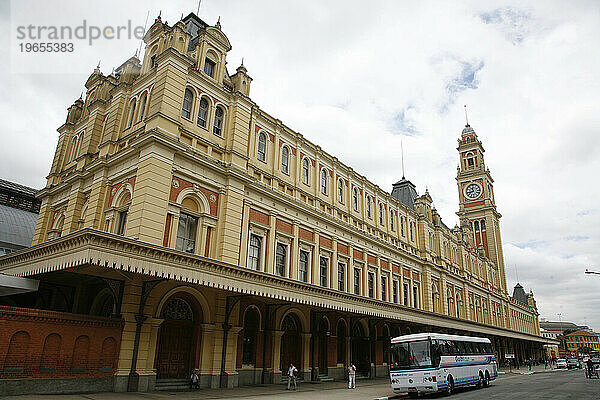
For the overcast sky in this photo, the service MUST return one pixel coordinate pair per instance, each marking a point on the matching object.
(359, 77)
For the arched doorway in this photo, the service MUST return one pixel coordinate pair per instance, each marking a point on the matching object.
(251, 321)
(322, 337)
(290, 351)
(341, 342)
(360, 350)
(176, 341)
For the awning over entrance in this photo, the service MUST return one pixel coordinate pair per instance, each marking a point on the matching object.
(89, 247)
(10, 285)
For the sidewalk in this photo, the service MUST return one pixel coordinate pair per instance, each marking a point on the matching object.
(240, 392)
(524, 370)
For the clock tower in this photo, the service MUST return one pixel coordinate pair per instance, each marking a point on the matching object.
(477, 208)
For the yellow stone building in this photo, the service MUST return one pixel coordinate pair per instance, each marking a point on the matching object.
(223, 240)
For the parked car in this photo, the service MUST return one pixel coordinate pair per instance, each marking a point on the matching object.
(561, 363)
(572, 363)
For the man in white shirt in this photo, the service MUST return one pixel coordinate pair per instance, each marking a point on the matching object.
(351, 376)
(292, 373)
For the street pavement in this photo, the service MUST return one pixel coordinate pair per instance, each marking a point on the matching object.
(541, 384)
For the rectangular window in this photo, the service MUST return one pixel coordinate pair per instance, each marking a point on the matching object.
(209, 67)
(122, 223)
(395, 291)
(371, 284)
(280, 259)
(415, 296)
(356, 280)
(384, 288)
(323, 265)
(254, 252)
(405, 294)
(303, 266)
(341, 276)
(186, 233)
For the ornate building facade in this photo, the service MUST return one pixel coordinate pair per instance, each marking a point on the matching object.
(201, 232)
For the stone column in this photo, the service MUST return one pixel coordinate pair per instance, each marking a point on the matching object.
(333, 266)
(306, 355)
(276, 353)
(294, 253)
(270, 258)
(314, 276)
(243, 258)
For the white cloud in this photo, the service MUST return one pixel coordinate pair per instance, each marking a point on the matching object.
(357, 78)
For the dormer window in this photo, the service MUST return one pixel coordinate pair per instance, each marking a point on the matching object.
(209, 67)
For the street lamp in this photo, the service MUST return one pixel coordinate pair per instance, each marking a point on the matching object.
(587, 271)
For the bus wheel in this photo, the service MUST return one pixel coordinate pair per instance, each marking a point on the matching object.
(450, 389)
(480, 381)
(486, 380)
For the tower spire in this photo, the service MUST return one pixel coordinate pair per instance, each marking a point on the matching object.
(402, 151)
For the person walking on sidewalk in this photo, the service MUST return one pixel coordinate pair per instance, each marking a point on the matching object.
(292, 374)
(351, 376)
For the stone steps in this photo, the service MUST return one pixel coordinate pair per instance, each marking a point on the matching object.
(172, 384)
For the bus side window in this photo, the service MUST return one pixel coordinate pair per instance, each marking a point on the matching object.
(462, 350)
(488, 348)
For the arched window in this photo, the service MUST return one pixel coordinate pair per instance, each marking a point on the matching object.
(411, 231)
(324, 180)
(131, 113)
(74, 143)
(285, 160)
(434, 295)
(381, 213)
(218, 127)
(203, 112)
(280, 259)
(142, 106)
(470, 161)
(402, 226)
(262, 147)
(355, 199)
(368, 206)
(254, 252)
(392, 226)
(305, 170)
(188, 99)
(341, 190)
(483, 225)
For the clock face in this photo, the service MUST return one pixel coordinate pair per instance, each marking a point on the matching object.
(473, 191)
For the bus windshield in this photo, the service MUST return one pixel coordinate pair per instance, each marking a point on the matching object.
(411, 355)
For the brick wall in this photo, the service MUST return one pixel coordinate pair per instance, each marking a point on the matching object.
(47, 344)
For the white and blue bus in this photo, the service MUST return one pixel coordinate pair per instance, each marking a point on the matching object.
(433, 362)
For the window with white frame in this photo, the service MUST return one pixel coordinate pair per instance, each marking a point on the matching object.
(285, 160)
(341, 190)
(381, 213)
(357, 278)
(122, 222)
(324, 180)
(254, 252)
(305, 171)
(341, 276)
(392, 224)
(218, 126)
(188, 99)
(323, 267)
(371, 284)
(186, 233)
(355, 199)
(368, 206)
(262, 147)
(384, 288)
(303, 265)
(280, 259)
(415, 295)
(405, 294)
(395, 291)
(203, 112)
